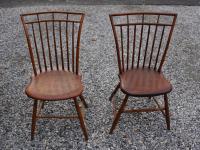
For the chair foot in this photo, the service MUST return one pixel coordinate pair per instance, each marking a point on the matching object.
(83, 100)
(167, 111)
(118, 114)
(81, 119)
(114, 92)
(34, 119)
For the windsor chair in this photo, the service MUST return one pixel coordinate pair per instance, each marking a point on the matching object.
(142, 41)
(53, 40)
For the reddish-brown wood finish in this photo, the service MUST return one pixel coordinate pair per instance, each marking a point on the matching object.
(148, 38)
(53, 40)
(144, 82)
(55, 85)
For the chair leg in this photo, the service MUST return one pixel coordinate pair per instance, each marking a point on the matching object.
(42, 104)
(83, 100)
(81, 119)
(114, 92)
(167, 111)
(117, 116)
(34, 119)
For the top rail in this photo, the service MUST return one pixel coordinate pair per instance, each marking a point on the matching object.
(145, 13)
(47, 12)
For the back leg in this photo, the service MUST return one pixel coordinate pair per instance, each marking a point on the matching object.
(83, 100)
(114, 92)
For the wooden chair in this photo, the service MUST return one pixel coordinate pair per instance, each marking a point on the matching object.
(142, 41)
(53, 40)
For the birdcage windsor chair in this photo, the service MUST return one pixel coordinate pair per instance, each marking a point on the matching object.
(142, 40)
(53, 40)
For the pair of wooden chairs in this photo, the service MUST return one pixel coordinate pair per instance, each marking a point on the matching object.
(53, 38)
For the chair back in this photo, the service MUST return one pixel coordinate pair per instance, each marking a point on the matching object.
(142, 39)
(53, 40)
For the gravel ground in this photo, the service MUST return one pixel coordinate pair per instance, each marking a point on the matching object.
(20, 3)
(135, 131)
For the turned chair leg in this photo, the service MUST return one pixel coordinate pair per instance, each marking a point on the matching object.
(117, 116)
(114, 92)
(34, 119)
(167, 111)
(80, 116)
(83, 100)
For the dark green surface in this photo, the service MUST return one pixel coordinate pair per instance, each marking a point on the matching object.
(18, 3)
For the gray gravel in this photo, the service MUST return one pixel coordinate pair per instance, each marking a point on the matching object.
(20, 3)
(135, 131)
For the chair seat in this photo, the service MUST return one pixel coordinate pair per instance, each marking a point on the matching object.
(54, 85)
(144, 82)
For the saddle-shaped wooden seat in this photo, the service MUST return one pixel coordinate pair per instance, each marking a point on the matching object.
(144, 82)
(55, 85)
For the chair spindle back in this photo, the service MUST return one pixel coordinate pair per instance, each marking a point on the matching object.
(53, 40)
(142, 39)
